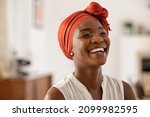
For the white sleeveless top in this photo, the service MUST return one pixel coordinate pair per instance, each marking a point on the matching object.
(73, 89)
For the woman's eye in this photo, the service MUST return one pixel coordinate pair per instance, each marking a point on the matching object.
(103, 34)
(87, 35)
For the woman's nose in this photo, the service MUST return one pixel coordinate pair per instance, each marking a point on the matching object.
(97, 39)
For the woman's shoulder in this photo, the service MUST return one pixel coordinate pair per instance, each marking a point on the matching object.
(54, 94)
(129, 93)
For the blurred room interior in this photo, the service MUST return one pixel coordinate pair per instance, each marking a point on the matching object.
(31, 60)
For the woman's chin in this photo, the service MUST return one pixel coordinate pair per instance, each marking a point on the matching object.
(98, 63)
(101, 63)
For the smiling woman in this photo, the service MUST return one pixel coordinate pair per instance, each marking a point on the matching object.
(83, 38)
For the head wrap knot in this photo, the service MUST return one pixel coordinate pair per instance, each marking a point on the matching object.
(99, 12)
(68, 26)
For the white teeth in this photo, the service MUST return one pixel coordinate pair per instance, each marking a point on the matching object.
(97, 50)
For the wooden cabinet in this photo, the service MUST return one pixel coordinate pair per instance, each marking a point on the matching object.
(25, 88)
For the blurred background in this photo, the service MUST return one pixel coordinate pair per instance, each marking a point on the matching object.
(31, 59)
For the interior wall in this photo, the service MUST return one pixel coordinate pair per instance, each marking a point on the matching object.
(26, 38)
(3, 37)
(4, 49)
(133, 48)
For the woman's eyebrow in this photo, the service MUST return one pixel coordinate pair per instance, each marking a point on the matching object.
(100, 27)
(89, 29)
(85, 29)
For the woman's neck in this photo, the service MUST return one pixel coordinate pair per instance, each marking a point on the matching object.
(90, 77)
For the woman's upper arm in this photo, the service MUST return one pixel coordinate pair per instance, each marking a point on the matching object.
(54, 94)
(129, 93)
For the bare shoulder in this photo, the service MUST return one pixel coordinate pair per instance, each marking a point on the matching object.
(54, 94)
(129, 93)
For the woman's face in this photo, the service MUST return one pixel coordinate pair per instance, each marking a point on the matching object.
(90, 43)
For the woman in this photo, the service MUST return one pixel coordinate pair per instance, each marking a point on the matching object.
(83, 38)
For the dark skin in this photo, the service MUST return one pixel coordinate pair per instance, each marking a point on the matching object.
(88, 36)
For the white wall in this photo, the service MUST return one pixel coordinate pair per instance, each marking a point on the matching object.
(4, 49)
(24, 37)
(133, 49)
(3, 33)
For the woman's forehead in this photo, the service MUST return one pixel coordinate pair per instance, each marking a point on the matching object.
(89, 23)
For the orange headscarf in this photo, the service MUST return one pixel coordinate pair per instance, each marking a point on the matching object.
(68, 26)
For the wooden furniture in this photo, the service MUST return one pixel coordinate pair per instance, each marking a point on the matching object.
(25, 88)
